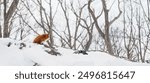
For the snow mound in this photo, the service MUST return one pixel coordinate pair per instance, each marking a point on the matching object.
(12, 55)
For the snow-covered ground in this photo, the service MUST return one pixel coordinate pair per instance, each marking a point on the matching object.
(33, 53)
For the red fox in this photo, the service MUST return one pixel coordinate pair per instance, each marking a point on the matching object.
(39, 39)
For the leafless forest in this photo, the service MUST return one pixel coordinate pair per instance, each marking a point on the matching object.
(118, 27)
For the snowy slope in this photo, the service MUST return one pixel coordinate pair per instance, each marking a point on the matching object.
(13, 56)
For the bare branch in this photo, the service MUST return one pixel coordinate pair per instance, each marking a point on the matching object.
(120, 12)
(95, 19)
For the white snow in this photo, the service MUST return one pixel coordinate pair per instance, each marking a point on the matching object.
(13, 56)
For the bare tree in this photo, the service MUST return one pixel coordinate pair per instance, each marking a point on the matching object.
(7, 16)
(105, 35)
(83, 23)
(129, 40)
(49, 20)
(77, 24)
(46, 19)
(116, 38)
(143, 41)
(136, 30)
(64, 8)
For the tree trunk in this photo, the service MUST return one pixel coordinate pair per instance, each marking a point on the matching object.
(7, 16)
(105, 34)
(107, 38)
(87, 46)
(107, 26)
(51, 26)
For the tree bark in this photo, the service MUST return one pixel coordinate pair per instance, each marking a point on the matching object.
(7, 16)
(95, 20)
(51, 25)
(107, 26)
(105, 34)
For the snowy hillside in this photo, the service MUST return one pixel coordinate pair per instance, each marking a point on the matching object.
(12, 54)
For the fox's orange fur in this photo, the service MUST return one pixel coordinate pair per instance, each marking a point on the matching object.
(39, 39)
